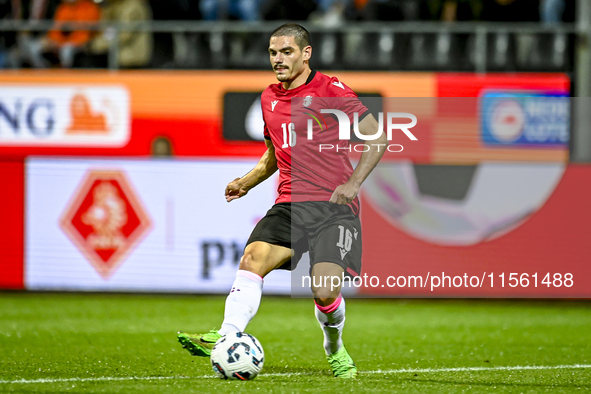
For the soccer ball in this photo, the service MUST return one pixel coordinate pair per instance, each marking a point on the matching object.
(237, 356)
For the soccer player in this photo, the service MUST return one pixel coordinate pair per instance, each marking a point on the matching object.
(317, 207)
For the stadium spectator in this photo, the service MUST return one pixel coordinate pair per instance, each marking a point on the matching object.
(161, 147)
(178, 49)
(65, 39)
(134, 47)
(451, 10)
(510, 10)
(6, 40)
(551, 11)
(388, 10)
(31, 11)
(245, 10)
(168, 10)
(331, 12)
(295, 10)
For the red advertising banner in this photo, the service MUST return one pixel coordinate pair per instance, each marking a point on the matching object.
(12, 197)
(544, 253)
(95, 113)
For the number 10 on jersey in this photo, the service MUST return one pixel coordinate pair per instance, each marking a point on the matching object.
(289, 135)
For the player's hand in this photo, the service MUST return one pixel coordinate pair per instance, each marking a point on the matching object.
(235, 189)
(344, 194)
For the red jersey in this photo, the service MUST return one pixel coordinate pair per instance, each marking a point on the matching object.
(307, 172)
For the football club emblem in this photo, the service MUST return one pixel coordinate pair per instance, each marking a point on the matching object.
(105, 220)
(307, 101)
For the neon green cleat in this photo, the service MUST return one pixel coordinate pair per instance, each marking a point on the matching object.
(342, 364)
(199, 344)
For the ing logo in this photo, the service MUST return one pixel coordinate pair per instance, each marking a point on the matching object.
(64, 115)
(84, 119)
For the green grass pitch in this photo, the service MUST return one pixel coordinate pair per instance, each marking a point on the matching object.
(106, 343)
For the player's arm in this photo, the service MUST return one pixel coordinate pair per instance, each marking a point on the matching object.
(347, 192)
(266, 167)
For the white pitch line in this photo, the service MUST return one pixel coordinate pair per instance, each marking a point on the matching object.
(388, 371)
(476, 369)
(97, 379)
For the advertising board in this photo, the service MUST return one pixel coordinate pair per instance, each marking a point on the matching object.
(139, 225)
(64, 115)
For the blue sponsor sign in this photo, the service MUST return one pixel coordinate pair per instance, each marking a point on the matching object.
(525, 119)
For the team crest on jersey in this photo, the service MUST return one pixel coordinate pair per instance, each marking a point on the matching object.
(307, 101)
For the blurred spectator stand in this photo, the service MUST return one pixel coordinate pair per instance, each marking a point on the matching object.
(134, 47)
(30, 11)
(244, 10)
(67, 36)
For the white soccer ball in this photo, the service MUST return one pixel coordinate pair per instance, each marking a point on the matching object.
(237, 356)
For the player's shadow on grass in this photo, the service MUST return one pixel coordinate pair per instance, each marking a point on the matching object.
(417, 379)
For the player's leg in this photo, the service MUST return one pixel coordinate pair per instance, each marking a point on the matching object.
(335, 250)
(330, 313)
(244, 299)
(330, 305)
(268, 248)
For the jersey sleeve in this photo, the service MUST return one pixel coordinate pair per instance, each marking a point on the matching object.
(264, 98)
(266, 133)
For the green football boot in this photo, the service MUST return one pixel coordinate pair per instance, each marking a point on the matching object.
(199, 344)
(342, 364)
